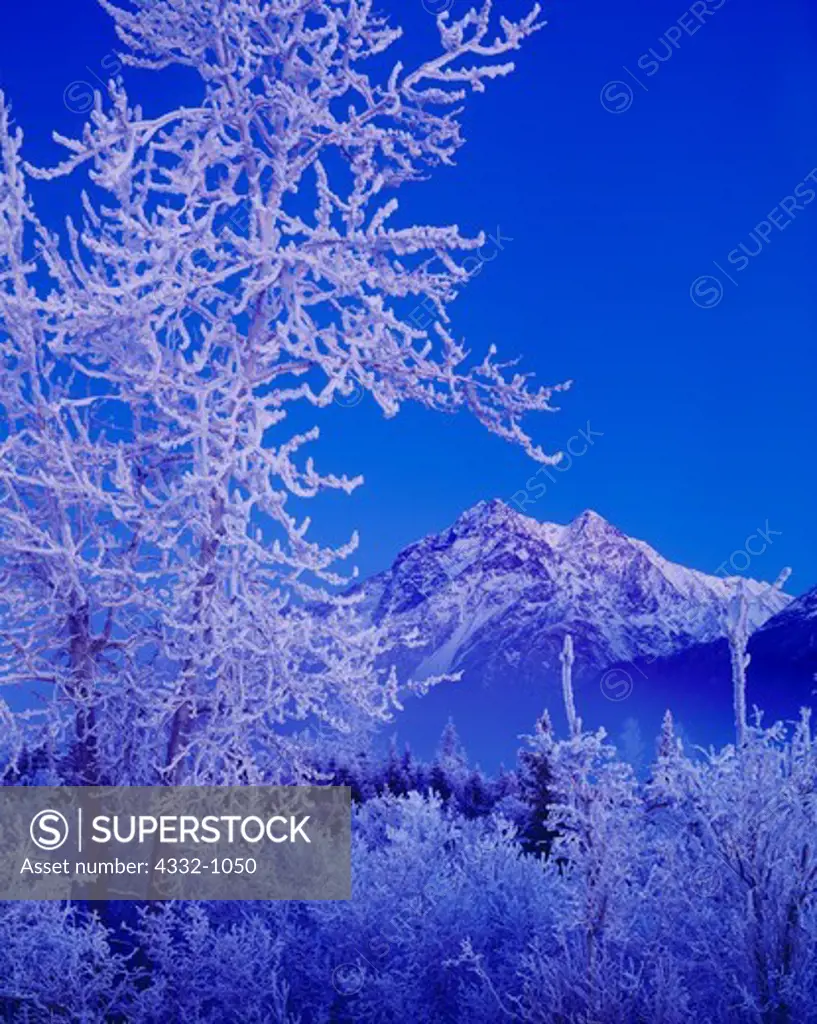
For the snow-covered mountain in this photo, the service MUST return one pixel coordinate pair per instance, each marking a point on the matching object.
(494, 594)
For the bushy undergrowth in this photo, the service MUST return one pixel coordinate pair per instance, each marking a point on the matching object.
(688, 896)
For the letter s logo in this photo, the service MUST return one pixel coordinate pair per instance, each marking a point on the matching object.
(48, 830)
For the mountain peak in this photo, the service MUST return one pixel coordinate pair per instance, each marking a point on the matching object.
(488, 511)
(589, 516)
(591, 523)
(489, 517)
(491, 507)
(499, 589)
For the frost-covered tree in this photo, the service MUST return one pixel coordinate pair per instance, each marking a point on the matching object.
(535, 776)
(596, 960)
(736, 870)
(737, 631)
(567, 657)
(737, 627)
(239, 265)
(449, 769)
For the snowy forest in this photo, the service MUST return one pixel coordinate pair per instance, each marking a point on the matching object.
(222, 275)
(564, 890)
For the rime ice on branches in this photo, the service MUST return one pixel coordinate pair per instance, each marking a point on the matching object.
(162, 603)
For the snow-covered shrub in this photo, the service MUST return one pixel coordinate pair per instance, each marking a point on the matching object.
(208, 972)
(736, 872)
(425, 881)
(59, 965)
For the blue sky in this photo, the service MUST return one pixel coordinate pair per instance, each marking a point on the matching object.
(606, 218)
